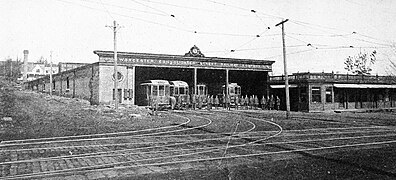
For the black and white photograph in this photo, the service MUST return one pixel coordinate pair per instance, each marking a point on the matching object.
(197, 89)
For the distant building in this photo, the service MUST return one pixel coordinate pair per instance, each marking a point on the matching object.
(39, 70)
(329, 91)
(65, 66)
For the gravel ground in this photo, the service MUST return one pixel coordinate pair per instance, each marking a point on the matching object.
(36, 115)
(25, 114)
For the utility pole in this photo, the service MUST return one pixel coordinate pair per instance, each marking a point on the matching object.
(115, 27)
(285, 69)
(50, 74)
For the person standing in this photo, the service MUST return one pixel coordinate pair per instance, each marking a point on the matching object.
(237, 99)
(263, 103)
(256, 102)
(194, 101)
(216, 102)
(271, 102)
(210, 102)
(188, 102)
(278, 103)
(228, 102)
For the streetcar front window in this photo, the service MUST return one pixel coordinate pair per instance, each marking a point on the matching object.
(173, 90)
(155, 90)
(232, 90)
(177, 91)
(148, 92)
(166, 91)
(182, 90)
(161, 91)
(200, 90)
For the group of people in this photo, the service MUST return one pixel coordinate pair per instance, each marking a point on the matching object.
(247, 102)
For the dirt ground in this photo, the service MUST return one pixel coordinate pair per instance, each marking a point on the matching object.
(29, 115)
(25, 114)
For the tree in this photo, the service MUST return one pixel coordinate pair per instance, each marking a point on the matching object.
(12, 69)
(392, 62)
(42, 60)
(361, 63)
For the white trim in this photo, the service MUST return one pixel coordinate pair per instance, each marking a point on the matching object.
(364, 86)
(283, 86)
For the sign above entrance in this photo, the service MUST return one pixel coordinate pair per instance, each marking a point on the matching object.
(143, 59)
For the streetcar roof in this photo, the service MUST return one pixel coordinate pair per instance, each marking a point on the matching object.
(155, 82)
(179, 83)
(232, 85)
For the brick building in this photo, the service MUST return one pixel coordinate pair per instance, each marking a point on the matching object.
(95, 82)
(329, 91)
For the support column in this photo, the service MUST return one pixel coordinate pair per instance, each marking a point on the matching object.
(133, 85)
(195, 81)
(268, 86)
(227, 95)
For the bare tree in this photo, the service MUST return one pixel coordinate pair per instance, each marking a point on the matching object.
(361, 63)
(12, 69)
(42, 60)
(392, 62)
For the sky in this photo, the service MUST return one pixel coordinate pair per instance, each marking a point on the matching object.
(320, 34)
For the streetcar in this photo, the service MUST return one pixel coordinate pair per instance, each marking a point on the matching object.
(179, 90)
(234, 91)
(157, 93)
(162, 94)
(202, 94)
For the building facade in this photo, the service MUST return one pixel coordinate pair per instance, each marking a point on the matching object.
(95, 82)
(329, 91)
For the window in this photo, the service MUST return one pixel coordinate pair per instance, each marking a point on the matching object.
(37, 70)
(201, 90)
(182, 90)
(155, 90)
(177, 91)
(130, 94)
(126, 94)
(167, 89)
(316, 97)
(232, 90)
(329, 94)
(67, 83)
(161, 90)
(238, 90)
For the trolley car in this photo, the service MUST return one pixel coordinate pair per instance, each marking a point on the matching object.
(179, 90)
(157, 93)
(202, 94)
(168, 94)
(234, 91)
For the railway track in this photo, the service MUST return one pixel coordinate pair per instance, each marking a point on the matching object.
(177, 147)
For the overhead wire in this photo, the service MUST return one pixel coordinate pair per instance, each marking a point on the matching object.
(244, 9)
(155, 9)
(320, 28)
(131, 17)
(160, 24)
(196, 8)
(295, 52)
(239, 48)
(262, 48)
(104, 7)
(124, 7)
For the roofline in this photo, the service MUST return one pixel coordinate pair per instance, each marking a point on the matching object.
(101, 53)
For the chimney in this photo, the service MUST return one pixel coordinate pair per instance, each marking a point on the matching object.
(25, 64)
